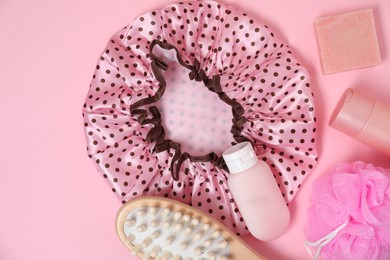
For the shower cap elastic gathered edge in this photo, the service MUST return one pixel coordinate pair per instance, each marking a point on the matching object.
(269, 93)
(157, 133)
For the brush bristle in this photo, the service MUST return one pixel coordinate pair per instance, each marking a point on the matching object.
(162, 233)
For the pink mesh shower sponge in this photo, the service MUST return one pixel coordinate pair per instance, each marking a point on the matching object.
(352, 203)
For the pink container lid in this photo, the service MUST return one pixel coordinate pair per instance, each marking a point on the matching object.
(351, 113)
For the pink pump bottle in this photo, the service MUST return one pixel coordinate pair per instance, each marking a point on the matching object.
(256, 193)
(363, 118)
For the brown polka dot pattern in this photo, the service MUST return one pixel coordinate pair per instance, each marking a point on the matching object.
(256, 69)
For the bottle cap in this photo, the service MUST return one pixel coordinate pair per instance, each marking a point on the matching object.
(240, 157)
(351, 113)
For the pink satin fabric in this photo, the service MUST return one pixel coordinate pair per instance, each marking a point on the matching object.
(256, 70)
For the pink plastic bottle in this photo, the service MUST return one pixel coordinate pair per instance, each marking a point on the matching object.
(256, 193)
(363, 118)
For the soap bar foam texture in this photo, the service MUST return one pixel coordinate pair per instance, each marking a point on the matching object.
(347, 41)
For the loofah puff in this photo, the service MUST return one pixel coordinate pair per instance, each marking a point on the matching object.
(352, 202)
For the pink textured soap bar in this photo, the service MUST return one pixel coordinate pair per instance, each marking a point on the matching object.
(347, 41)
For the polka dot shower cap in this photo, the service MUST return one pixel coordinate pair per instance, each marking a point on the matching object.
(181, 84)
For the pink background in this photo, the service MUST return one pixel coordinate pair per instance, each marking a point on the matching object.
(54, 205)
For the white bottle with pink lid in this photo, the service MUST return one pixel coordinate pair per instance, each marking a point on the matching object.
(256, 193)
